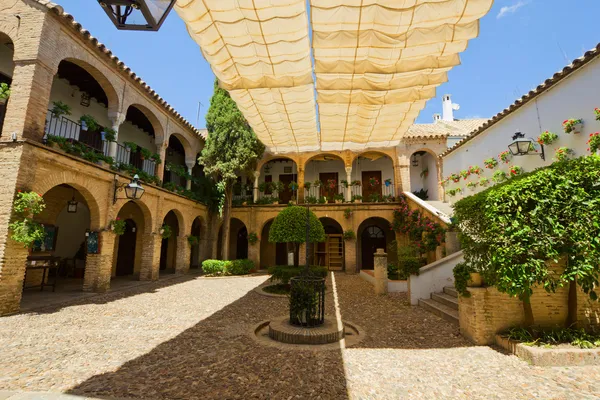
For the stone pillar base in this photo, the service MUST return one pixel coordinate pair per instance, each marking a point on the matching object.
(381, 273)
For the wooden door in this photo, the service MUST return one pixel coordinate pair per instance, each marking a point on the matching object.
(325, 189)
(335, 252)
(126, 251)
(372, 238)
(287, 194)
(367, 188)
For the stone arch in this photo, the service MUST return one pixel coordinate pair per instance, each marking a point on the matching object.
(271, 253)
(92, 67)
(384, 153)
(324, 167)
(92, 192)
(181, 221)
(11, 29)
(272, 157)
(198, 229)
(128, 248)
(373, 164)
(430, 182)
(146, 213)
(151, 116)
(238, 240)
(365, 248)
(331, 252)
(189, 151)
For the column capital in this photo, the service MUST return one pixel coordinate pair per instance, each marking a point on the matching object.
(190, 163)
(256, 174)
(349, 170)
(116, 118)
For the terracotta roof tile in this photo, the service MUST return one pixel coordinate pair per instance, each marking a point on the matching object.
(442, 129)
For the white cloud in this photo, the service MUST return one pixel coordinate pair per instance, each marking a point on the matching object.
(504, 11)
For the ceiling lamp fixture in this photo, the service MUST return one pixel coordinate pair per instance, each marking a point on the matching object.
(521, 146)
(137, 15)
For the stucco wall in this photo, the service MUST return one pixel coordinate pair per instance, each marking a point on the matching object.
(574, 97)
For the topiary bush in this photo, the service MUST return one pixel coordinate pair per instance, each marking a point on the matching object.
(283, 273)
(240, 267)
(215, 267)
(409, 262)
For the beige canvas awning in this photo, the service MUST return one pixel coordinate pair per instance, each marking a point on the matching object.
(376, 63)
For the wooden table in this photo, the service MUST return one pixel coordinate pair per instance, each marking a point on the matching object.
(45, 263)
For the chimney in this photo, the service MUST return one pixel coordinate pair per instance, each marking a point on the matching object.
(447, 108)
(437, 117)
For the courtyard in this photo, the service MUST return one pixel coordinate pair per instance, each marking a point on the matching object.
(191, 337)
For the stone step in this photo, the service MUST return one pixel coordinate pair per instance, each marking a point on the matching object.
(446, 300)
(440, 310)
(449, 290)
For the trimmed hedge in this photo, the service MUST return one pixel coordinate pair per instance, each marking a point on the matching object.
(221, 267)
(240, 267)
(283, 273)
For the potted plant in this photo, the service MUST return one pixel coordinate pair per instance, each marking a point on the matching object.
(109, 134)
(594, 142)
(118, 226)
(252, 238)
(349, 235)
(472, 185)
(356, 183)
(344, 183)
(443, 182)
(130, 146)
(193, 240)
(293, 186)
(499, 176)
(348, 213)
(165, 231)
(374, 198)
(475, 169)
(4, 93)
(484, 181)
(278, 187)
(573, 125)
(89, 123)
(453, 192)
(317, 183)
(373, 182)
(339, 198)
(504, 156)
(357, 198)
(597, 113)
(515, 170)
(311, 199)
(454, 178)
(156, 158)
(464, 174)
(425, 173)
(59, 108)
(145, 154)
(387, 182)
(547, 138)
(490, 163)
(563, 154)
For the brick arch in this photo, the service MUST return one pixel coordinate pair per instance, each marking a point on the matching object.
(91, 191)
(324, 154)
(146, 213)
(181, 221)
(265, 160)
(156, 125)
(203, 225)
(382, 152)
(99, 72)
(187, 147)
(10, 29)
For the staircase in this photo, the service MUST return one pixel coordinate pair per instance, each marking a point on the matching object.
(444, 304)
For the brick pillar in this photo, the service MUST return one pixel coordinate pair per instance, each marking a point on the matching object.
(350, 256)
(116, 119)
(254, 253)
(151, 244)
(300, 185)
(162, 152)
(12, 254)
(381, 273)
(28, 103)
(182, 260)
(98, 267)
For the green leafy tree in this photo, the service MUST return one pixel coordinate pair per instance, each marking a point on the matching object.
(231, 149)
(290, 227)
(516, 232)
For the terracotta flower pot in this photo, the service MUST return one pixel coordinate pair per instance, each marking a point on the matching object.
(475, 280)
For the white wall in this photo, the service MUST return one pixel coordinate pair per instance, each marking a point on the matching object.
(433, 278)
(574, 97)
(430, 183)
(130, 133)
(71, 230)
(276, 169)
(314, 168)
(6, 61)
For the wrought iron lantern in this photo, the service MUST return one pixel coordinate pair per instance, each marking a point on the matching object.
(138, 15)
(72, 205)
(521, 146)
(133, 190)
(415, 161)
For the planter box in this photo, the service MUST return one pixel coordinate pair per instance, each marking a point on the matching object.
(563, 356)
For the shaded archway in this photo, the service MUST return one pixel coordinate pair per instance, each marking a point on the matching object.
(238, 240)
(80, 90)
(139, 127)
(168, 249)
(196, 231)
(175, 163)
(375, 172)
(271, 253)
(424, 180)
(330, 253)
(128, 247)
(281, 169)
(374, 233)
(328, 171)
(65, 242)
(7, 66)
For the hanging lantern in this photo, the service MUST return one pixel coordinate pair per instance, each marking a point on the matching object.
(72, 205)
(139, 15)
(415, 161)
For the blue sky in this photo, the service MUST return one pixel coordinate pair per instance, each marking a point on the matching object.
(521, 43)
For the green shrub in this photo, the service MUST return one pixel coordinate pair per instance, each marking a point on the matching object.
(215, 267)
(283, 273)
(240, 267)
(409, 262)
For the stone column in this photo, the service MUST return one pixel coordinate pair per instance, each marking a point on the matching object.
(381, 273)
(255, 189)
(151, 244)
(162, 152)
(98, 267)
(348, 193)
(300, 185)
(116, 119)
(27, 106)
(190, 165)
(182, 259)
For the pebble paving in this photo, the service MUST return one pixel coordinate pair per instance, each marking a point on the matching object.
(188, 338)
